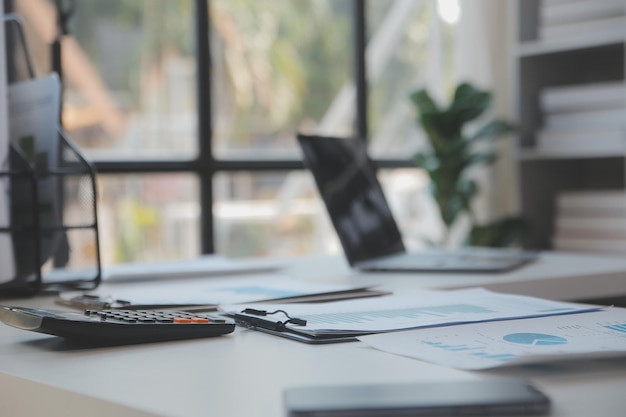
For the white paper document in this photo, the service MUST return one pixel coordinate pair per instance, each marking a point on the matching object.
(426, 309)
(495, 344)
(203, 266)
(202, 292)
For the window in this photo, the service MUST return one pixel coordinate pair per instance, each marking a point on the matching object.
(189, 110)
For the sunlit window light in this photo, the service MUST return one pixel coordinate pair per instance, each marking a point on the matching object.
(449, 10)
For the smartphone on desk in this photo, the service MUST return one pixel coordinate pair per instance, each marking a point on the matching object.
(490, 397)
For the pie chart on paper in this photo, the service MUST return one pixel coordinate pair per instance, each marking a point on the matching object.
(536, 339)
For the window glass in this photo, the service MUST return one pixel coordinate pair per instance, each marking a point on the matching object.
(408, 194)
(145, 218)
(129, 75)
(281, 214)
(409, 47)
(270, 214)
(279, 67)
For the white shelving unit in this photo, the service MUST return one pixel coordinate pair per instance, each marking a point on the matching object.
(580, 59)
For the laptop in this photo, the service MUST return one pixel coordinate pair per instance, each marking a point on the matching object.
(367, 230)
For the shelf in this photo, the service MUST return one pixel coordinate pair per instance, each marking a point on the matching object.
(542, 47)
(538, 154)
(561, 55)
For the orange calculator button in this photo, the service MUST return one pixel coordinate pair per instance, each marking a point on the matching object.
(199, 319)
(182, 320)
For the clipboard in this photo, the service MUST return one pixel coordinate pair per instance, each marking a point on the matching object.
(323, 340)
(277, 328)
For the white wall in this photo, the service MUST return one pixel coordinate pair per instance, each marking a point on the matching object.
(484, 58)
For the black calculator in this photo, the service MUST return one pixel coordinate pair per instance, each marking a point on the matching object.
(117, 326)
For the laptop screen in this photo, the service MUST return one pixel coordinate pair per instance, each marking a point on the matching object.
(347, 183)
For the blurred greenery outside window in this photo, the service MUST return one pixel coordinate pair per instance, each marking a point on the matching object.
(277, 67)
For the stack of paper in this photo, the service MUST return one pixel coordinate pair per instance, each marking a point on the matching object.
(591, 221)
(583, 119)
(581, 19)
(209, 293)
(430, 308)
(465, 329)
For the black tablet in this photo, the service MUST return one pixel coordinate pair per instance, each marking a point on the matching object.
(489, 397)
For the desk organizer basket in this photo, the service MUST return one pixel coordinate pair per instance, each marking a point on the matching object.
(41, 237)
(37, 227)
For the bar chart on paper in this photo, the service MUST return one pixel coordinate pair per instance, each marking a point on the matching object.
(617, 327)
(487, 345)
(476, 351)
(444, 311)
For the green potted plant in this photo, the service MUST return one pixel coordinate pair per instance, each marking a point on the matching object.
(453, 152)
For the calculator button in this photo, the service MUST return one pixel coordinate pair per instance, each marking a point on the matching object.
(165, 320)
(152, 316)
(199, 320)
(182, 320)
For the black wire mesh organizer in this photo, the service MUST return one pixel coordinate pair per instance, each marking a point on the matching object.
(40, 228)
(36, 239)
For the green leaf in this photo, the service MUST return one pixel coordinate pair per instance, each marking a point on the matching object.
(481, 158)
(493, 130)
(451, 154)
(501, 233)
(450, 208)
(469, 103)
(426, 161)
(438, 124)
(423, 102)
(467, 189)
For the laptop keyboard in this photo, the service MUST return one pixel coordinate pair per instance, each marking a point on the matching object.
(447, 261)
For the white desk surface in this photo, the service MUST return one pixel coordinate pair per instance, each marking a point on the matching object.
(555, 275)
(244, 374)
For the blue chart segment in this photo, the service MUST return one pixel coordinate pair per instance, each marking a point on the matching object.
(478, 351)
(617, 327)
(408, 313)
(536, 339)
(452, 348)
